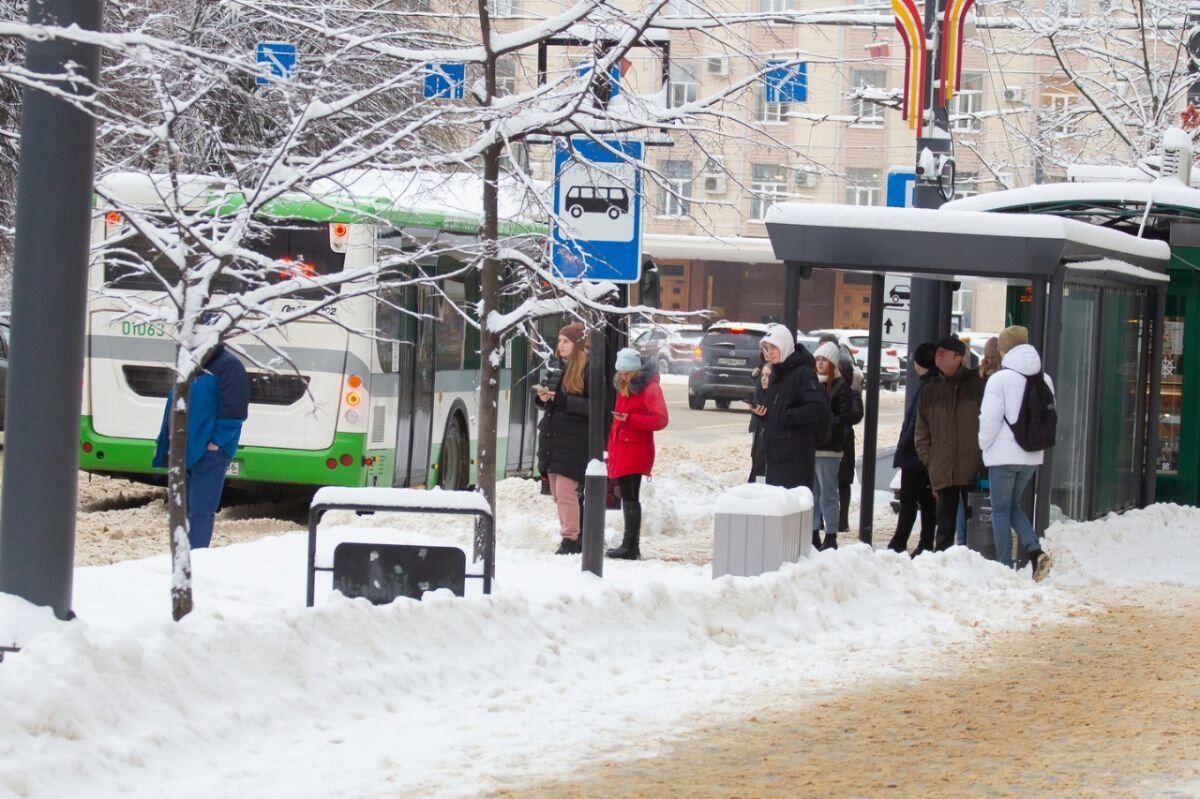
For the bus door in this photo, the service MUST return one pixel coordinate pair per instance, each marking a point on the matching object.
(416, 391)
(520, 402)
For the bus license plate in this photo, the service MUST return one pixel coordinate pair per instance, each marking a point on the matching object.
(233, 469)
(731, 361)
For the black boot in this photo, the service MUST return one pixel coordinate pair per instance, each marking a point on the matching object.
(633, 533)
(570, 546)
(830, 541)
(816, 540)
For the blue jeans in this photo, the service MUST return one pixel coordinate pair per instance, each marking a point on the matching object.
(960, 523)
(205, 480)
(826, 501)
(1008, 484)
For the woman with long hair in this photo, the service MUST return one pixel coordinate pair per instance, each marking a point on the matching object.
(640, 410)
(831, 446)
(563, 433)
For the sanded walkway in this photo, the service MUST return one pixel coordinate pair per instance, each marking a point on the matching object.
(1105, 708)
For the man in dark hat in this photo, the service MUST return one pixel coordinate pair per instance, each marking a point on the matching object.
(947, 433)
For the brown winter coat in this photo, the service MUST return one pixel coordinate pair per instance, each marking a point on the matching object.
(947, 436)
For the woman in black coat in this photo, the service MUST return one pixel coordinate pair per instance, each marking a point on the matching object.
(915, 492)
(563, 434)
(843, 414)
(793, 411)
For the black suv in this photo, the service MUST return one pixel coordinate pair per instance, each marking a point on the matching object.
(723, 370)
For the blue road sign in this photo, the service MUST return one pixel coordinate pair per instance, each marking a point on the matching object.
(597, 229)
(447, 81)
(900, 184)
(279, 59)
(786, 84)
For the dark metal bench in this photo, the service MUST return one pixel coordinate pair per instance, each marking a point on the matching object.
(382, 572)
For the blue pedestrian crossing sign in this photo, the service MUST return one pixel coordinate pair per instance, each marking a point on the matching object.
(597, 228)
(279, 58)
(786, 84)
(445, 81)
(900, 183)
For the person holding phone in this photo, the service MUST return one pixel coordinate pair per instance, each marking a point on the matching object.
(639, 411)
(563, 433)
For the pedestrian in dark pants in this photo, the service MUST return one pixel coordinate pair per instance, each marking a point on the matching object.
(915, 493)
(947, 436)
(639, 411)
(831, 445)
(854, 376)
(563, 435)
(793, 410)
(218, 403)
(758, 463)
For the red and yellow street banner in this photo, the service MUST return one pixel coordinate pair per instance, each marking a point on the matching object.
(952, 44)
(912, 32)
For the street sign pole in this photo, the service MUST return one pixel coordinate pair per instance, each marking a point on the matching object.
(49, 304)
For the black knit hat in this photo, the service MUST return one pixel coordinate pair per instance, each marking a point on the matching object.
(923, 355)
(954, 344)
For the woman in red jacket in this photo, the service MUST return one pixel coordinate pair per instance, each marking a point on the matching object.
(639, 411)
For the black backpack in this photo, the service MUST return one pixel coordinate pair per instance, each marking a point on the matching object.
(1037, 423)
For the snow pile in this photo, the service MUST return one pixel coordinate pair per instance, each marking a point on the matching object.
(456, 696)
(1159, 545)
(21, 622)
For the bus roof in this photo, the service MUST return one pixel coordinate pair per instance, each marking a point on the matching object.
(433, 201)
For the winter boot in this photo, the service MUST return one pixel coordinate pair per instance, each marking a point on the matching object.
(816, 540)
(570, 546)
(830, 541)
(633, 533)
(1041, 565)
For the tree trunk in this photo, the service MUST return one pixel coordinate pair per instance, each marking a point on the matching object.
(491, 352)
(181, 551)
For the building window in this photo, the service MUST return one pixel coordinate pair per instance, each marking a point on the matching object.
(1058, 9)
(1056, 113)
(683, 84)
(768, 112)
(506, 75)
(775, 6)
(502, 8)
(676, 189)
(682, 8)
(967, 103)
(864, 187)
(768, 185)
(868, 113)
(966, 184)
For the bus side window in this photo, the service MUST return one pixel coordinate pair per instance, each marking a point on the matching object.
(388, 320)
(451, 329)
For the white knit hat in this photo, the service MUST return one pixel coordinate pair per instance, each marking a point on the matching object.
(829, 351)
(628, 360)
(782, 338)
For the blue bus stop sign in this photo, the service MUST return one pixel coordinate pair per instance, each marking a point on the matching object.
(900, 184)
(446, 81)
(597, 227)
(279, 59)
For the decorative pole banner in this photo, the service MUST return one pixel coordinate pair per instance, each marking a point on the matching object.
(916, 57)
(952, 44)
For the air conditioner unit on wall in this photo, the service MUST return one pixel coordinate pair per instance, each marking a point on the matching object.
(1014, 94)
(714, 184)
(806, 179)
(718, 65)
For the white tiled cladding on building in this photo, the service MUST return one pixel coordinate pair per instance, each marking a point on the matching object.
(757, 528)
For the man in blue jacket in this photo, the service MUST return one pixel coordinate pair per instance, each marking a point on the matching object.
(218, 404)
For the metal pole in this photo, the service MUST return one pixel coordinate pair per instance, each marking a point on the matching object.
(594, 485)
(1054, 315)
(54, 196)
(866, 500)
(1150, 491)
(1037, 314)
(791, 295)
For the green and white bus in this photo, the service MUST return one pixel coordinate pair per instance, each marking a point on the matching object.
(398, 408)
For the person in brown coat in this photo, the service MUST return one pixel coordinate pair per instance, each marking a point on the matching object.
(947, 436)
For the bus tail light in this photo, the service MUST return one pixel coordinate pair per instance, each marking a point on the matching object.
(347, 459)
(339, 236)
(352, 416)
(330, 463)
(353, 399)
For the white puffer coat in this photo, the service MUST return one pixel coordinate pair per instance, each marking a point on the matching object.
(1002, 399)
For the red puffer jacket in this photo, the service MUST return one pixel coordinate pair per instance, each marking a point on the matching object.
(631, 442)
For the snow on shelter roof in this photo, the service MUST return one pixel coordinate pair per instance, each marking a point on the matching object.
(1164, 193)
(944, 243)
(422, 199)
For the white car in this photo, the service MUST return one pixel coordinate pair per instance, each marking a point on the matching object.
(889, 361)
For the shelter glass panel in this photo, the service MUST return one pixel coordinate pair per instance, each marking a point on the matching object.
(1080, 316)
(1170, 420)
(1122, 402)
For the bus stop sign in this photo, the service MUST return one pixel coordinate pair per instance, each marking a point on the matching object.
(597, 227)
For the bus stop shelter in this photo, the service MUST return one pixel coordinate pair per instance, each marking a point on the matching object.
(1092, 289)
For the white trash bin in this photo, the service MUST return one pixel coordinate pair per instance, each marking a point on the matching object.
(757, 528)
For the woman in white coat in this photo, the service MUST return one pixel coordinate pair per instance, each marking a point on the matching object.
(1011, 467)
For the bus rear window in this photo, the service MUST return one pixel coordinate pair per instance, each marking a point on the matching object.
(130, 262)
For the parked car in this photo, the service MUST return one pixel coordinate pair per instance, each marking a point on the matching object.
(724, 362)
(671, 345)
(889, 362)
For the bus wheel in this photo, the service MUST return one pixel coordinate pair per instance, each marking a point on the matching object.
(454, 465)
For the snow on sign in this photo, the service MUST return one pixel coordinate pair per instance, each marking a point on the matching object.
(279, 59)
(598, 210)
(445, 81)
